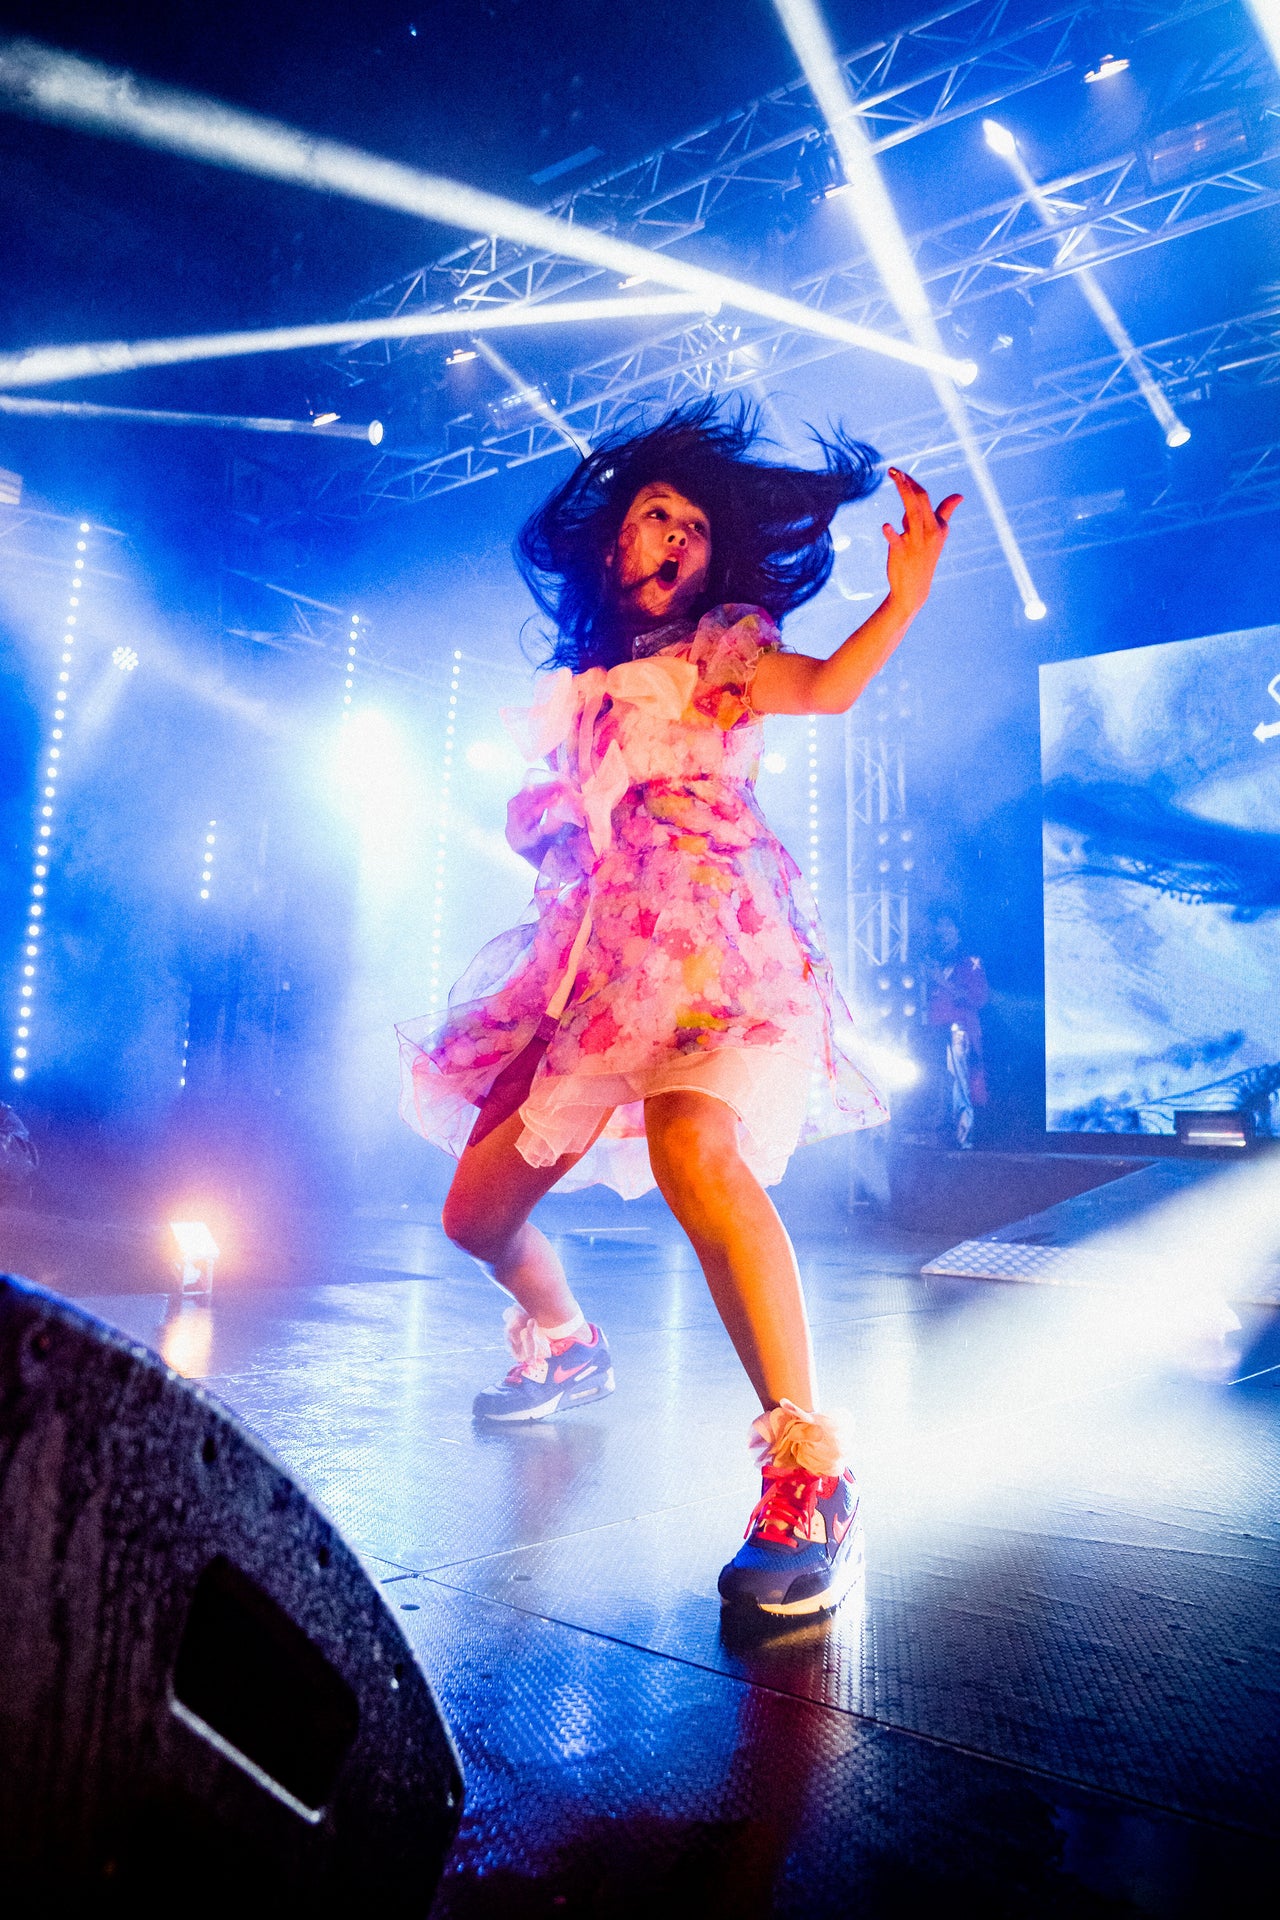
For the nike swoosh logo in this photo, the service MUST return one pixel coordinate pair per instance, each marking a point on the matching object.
(840, 1528)
(571, 1373)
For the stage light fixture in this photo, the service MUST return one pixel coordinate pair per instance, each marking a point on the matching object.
(1034, 609)
(324, 419)
(64, 88)
(774, 762)
(1176, 432)
(533, 397)
(1107, 68)
(197, 1255)
(125, 658)
(153, 416)
(873, 212)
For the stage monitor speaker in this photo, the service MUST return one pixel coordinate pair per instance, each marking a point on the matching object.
(202, 1695)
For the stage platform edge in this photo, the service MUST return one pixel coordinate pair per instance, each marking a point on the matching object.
(1054, 1248)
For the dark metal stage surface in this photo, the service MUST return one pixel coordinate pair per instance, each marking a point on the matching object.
(1059, 1693)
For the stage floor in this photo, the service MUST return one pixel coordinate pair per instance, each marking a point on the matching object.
(1059, 1693)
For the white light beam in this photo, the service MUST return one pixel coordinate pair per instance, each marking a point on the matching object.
(1266, 16)
(869, 202)
(49, 85)
(85, 410)
(1176, 433)
(533, 397)
(43, 366)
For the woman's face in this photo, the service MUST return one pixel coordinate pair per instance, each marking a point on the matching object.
(660, 559)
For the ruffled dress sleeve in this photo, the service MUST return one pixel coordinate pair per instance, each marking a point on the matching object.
(726, 650)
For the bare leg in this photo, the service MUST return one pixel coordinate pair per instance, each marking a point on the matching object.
(740, 1241)
(487, 1213)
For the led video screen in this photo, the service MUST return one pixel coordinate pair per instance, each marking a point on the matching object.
(1161, 769)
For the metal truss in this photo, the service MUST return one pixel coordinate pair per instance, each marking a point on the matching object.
(1105, 213)
(879, 933)
(1054, 524)
(267, 615)
(963, 60)
(877, 916)
(1240, 356)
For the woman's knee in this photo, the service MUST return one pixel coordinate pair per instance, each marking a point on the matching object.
(474, 1227)
(693, 1148)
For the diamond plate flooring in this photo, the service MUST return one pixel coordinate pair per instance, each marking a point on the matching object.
(1058, 1692)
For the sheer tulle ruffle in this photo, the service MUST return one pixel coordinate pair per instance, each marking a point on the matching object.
(697, 957)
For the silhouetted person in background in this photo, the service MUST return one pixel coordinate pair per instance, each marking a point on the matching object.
(957, 991)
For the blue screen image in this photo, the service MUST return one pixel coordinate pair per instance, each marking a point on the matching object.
(1161, 771)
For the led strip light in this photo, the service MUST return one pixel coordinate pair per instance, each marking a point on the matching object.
(442, 832)
(45, 815)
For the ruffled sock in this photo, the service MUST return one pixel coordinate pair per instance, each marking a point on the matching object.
(530, 1343)
(787, 1438)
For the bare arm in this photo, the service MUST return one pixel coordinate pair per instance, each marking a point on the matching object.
(797, 683)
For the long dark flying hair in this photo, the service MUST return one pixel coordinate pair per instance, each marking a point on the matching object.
(770, 538)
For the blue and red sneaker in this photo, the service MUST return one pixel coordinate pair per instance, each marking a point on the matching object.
(803, 1548)
(577, 1370)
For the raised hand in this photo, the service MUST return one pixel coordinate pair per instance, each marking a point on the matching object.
(915, 549)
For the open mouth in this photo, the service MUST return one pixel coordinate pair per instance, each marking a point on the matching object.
(669, 572)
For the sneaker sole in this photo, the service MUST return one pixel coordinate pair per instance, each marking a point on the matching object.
(825, 1602)
(559, 1402)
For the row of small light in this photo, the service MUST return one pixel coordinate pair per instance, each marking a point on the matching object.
(352, 638)
(206, 858)
(814, 846)
(442, 832)
(208, 844)
(40, 868)
(894, 706)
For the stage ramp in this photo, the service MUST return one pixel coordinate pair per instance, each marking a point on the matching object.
(1067, 1244)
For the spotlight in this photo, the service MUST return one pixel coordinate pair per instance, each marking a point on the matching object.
(999, 139)
(1178, 435)
(324, 419)
(125, 658)
(1106, 69)
(1035, 609)
(459, 354)
(774, 762)
(197, 1252)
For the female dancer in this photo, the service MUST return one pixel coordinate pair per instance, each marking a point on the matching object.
(667, 1013)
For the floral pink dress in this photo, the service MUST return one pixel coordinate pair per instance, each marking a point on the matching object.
(672, 942)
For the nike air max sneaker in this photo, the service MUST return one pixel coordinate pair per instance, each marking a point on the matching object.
(803, 1549)
(577, 1370)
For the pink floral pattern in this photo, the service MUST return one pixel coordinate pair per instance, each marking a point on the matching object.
(702, 940)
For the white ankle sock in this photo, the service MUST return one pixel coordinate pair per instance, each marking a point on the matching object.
(575, 1325)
